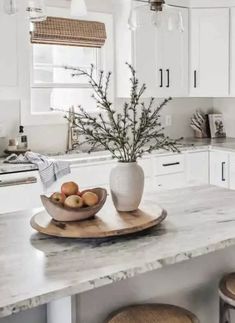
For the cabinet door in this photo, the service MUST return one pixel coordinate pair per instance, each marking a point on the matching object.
(8, 52)
(232, 53)
(209, 52)
(197, 168)
(219, 174)
(172, 52)
(86, 176)
(20, 191)
(144, 49)
(123, 47)
(232, 171)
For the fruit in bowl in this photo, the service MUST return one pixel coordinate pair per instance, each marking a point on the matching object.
(69, 188)
(90, 198)
(71, 205)
(58, 198)
(74, 201)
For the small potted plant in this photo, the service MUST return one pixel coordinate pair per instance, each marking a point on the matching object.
(127, 134)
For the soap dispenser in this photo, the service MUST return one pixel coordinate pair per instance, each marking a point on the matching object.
(22, 139)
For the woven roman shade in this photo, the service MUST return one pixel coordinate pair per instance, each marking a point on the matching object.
(70, 32)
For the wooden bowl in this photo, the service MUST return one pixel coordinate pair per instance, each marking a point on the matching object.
(65, 214)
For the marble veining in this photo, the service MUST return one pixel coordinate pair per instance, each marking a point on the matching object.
(36, 269)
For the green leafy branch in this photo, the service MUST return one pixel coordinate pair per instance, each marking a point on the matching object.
(129, 133)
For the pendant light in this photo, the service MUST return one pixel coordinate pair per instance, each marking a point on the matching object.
(155, 5)
(10, 7)
(131, 19)
(78, 8)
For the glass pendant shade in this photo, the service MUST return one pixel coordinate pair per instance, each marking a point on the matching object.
(78, 8)
(132, 25)
(10, 7)
(37, 10)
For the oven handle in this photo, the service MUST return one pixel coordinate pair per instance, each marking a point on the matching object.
(21, 181)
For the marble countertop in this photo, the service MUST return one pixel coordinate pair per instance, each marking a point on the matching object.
(36, 269)
(81, 158)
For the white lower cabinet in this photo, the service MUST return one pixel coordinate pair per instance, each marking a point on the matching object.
(170, 181)
(232, 171)
(20, 191)
(219, 168)
(197, 168)
(165, 171)
(169, 171)
(88, 175)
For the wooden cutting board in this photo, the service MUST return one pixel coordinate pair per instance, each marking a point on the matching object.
(107, 223)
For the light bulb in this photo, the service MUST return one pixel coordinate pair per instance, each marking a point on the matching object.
(10, 7)
(131, 19)
(78, 8)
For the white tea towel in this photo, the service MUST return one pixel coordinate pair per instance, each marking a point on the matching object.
(50, 170)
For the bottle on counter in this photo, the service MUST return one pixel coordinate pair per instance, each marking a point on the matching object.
(22, 139)
(12, 146)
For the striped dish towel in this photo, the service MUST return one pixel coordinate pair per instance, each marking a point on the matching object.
(50, 170)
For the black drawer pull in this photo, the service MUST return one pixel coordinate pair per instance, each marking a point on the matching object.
(161, 77)
(168, 77)
(195, 79)
(171, 164)
(223, 178)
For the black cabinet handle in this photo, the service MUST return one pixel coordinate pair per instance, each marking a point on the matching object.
(168, 77)
(171, 164)
(195, 79)
(161, 77)
(223, 178)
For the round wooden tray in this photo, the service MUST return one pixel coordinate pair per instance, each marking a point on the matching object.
(107, 223)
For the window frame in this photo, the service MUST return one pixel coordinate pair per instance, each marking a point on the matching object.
(26, 68)
(33, 85)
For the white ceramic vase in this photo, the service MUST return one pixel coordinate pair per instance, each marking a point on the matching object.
(127, 185)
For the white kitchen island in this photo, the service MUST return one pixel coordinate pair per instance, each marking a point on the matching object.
(37, 269)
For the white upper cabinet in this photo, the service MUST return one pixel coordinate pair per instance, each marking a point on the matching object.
(144, 50)
(209, 52)
(232, 53)
(8, 52)
(159, 53)
(172, 52)
(137, 48)
(123, 47)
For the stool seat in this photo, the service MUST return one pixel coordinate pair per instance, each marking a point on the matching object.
(227, 288)
(153, 313)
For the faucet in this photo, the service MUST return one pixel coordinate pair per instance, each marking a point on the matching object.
(73, 133)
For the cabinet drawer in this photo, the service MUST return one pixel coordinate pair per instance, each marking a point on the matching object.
(169, 181)
(169, 164)
(146, 164)
(20, 191)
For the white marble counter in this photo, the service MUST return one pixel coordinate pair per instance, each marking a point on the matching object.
(81, 158)
(37, 269)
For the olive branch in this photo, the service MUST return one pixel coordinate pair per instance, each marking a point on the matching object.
(127, 134)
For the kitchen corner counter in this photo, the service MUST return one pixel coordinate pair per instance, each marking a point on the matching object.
(36, 269)
(187, 145)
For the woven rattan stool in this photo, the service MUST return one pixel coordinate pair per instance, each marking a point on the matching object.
(153, 313)
(227, 297)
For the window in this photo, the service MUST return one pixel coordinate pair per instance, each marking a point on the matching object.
(53, 86)
(49, 84)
